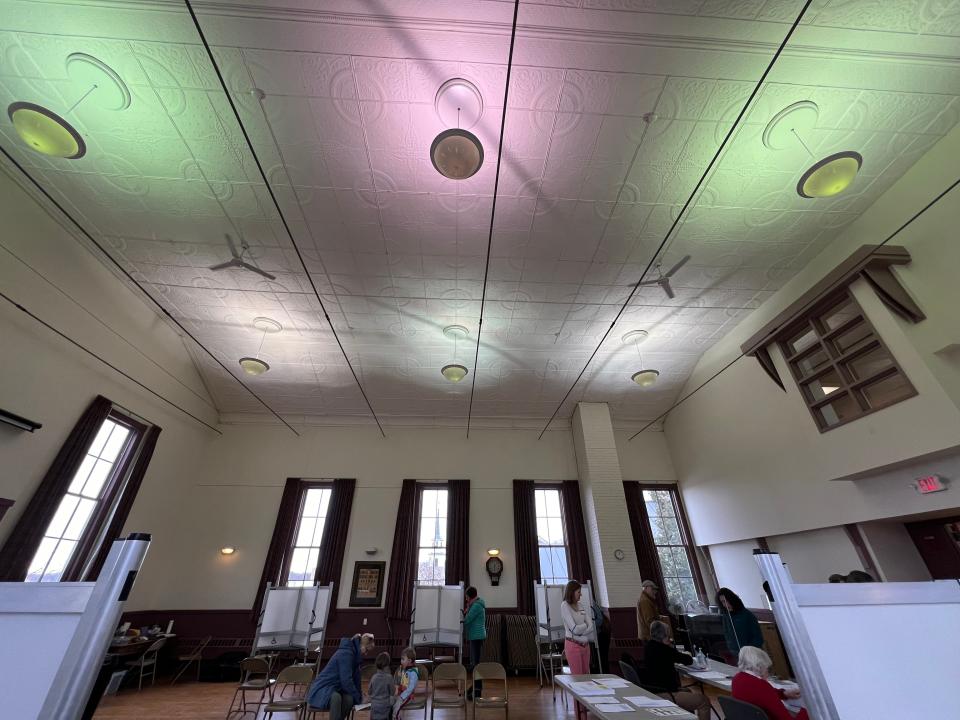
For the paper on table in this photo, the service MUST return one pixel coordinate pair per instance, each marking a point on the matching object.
(709, 675)
(588, 688)
(644, 701)
(668, 711)
(601, 699)
(362, 706)
(614, 708)
(613, 683)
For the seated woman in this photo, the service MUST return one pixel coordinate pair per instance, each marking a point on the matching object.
(751, 685)
(740, 626)
(659, 657)
(337, 687)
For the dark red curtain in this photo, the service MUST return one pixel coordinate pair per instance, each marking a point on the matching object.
(525, 537)
(576, 532)
(25, 538)
(403, 556)
(647, 559)
(283, 531)
(334, 540)
(458, 532)
(127, 495)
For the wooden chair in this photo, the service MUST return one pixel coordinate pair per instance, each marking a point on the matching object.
(448, 672)
(487, 671)
(147, 663)
(298, 676)
(194, 656)
(739, 710)
(254, 677)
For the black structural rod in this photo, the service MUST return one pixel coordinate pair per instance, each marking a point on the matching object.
(83, 231)
(110, 365)
(276, 203)
(716, 156)
(808, 305)
(493, 209)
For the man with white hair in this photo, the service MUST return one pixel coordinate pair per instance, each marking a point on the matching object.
(659, 657)
(751, 685)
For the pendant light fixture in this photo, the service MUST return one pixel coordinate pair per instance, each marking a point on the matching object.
(826, 177)
(255, 365)
(455, 372)
(647, 377)
(457, 153)
(47, 132)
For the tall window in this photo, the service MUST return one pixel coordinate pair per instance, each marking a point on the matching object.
(671, 539)
(551, 539)
(432, 543)
(305, 553)
(88, 500)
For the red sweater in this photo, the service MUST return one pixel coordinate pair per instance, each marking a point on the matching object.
(759, 692)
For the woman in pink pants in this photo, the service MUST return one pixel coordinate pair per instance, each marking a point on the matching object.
(578, 629)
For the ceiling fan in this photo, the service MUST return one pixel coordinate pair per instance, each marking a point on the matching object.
(663, 279)
(239, 262)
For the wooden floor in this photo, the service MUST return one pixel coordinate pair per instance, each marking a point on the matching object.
(209, 701)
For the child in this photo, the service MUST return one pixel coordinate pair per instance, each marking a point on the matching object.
(407, 678)
(381, 690)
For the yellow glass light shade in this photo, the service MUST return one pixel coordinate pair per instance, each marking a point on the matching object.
(45, 131)
(228, 550)
(493, 552)
(454, 373)
(830, 176)
(456, 154)
(645, 378)
(253, 366)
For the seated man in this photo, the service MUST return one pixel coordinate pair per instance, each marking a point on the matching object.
(659, 657)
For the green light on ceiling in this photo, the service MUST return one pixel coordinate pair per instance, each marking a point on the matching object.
(46, 132)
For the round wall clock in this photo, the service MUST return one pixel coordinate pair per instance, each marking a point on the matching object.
(494, 570)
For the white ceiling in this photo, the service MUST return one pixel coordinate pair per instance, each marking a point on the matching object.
(587, 188)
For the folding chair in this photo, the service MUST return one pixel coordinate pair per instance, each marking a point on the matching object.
(490, 671)
(448, 672)
(254, 677)
(194, 656)
(148, 660)
(418, 701)
(297, 676)
(740, 710)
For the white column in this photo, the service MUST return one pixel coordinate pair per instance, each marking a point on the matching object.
(617, 582)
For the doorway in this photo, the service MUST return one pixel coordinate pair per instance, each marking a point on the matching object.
(938, 542)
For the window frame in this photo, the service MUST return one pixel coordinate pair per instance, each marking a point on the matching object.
(421, 488)
(92, 537)
(838, 360)
(558, 488)
(302, 489)
(686, 536)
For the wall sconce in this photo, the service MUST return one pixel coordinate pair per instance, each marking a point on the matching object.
(494, 566)
(227, 550)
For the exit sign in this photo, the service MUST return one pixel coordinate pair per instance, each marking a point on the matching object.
(930, 484)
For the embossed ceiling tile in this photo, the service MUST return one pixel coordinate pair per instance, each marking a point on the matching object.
(603, 183)
(574, 134)
(380, 79)
(702, 143)
(562, 177)
(388, 126)
(168, 65)
(489, 79)
(424, 78)
(726, 100)
(509, 244)
(514, 213)
(348, 168)
(874, 15)
(331, 122)
(535, 88)
(325, 75)
(739, 9)
(786, 11)
(34, 55)
(527, 133)
(358, 207)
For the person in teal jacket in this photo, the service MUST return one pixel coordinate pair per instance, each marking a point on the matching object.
(740, 626)
(475, 631)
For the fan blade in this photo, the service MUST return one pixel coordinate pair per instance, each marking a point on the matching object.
(683, 261)
(233, 248)
(258, 271)
(224, 266)
(665, 284)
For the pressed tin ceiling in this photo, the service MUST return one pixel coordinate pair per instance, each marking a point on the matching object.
(588, 186)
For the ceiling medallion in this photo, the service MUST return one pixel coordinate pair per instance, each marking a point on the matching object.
(455, 332)
(635, 337)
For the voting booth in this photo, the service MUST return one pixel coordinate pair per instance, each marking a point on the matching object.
(55, 635)
(437, 616)
(293, 618)
(863, 651)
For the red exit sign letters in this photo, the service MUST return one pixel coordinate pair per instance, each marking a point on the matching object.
(930, 484)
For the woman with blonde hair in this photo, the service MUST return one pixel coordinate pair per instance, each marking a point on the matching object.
(578, 628)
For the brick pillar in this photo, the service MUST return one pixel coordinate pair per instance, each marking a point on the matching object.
(617, 582)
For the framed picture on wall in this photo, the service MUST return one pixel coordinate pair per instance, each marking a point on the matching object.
(367, 589)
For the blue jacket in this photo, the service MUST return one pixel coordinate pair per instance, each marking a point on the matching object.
(342, 675)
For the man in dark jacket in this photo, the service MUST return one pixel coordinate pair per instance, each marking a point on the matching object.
(659, 657)
(337, 687)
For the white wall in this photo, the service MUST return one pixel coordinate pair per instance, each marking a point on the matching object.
(736, 569)
(894, 552)
(748, 457)
(44, 378)
(814, 556)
